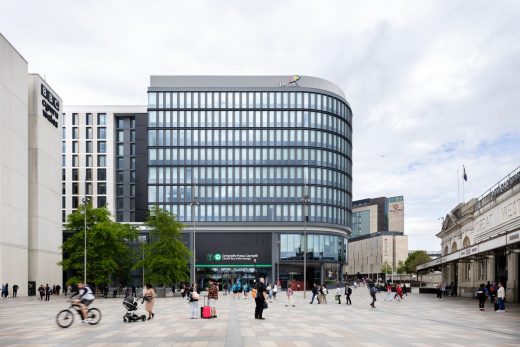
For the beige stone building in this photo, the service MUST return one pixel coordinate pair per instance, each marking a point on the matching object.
(480, 240)
(377, 235)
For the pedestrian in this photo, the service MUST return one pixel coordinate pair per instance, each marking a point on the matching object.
(58, 288)
(439, 291)
(372, 290)
(41, 290)
(193, 297)
(405, 289)
(324, 292)
(388, 296)
(48, 292)
(127, 291)
(275, 290)
(314, 293)
(261, 296)
(3, 290)
(114, 293)
(348, 292)
(270, 292)
(290, 299)
(481, 295)
(213, 297)
(105, 291)
(398, 292)
(69, 289)
(338, 294)
(53, 289)
(149, 297)
(15, 290)
(133, 291)
(501, 296)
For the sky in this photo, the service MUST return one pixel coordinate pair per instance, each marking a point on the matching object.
(433, 85)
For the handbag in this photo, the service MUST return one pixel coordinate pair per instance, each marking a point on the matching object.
(265, 305)
(195, 296)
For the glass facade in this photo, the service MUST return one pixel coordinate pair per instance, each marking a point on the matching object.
(247, 155)
(319, 247)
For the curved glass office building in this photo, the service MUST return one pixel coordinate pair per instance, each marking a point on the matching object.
(237, 157)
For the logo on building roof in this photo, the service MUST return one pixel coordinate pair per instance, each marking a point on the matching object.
(291, 82)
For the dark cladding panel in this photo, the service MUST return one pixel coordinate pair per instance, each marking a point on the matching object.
(234, 249)
(141, 167)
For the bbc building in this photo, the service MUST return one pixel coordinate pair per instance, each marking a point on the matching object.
(238, 159)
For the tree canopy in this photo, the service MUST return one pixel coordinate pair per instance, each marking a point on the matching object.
(414, 259)
(166, 258)
(386, 268)
(401, 267)
(109, 256)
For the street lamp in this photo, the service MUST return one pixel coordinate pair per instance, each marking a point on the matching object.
(305, 201)
(85, 201)
(194, 202)
(143, 240)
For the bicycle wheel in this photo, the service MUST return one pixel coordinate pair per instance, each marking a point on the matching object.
(65, 318)
(94, 315)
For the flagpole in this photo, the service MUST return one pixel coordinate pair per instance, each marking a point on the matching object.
(464, 171)
(458, 188)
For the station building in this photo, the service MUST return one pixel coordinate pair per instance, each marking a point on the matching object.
(30, 191)
(480, 240)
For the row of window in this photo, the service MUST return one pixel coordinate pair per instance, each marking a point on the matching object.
(249, 156)
(101, 175)
(295, 175)
(88, 119)
(243, 100)
(89, 133)
(250, 119)
(101, 160)
(256, 138)
(258, 213)
(319, 247)
(247, 194)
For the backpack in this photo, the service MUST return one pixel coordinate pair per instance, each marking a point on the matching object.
(373, 290)
(349, 291)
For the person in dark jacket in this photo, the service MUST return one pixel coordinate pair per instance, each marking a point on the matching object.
(41, 291)
(481, 296)
(261, 296)
(315, 291)
(48, 292)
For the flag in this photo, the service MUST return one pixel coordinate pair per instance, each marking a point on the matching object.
(464, 176)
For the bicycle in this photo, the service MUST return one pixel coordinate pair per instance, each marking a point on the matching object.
(65, 318)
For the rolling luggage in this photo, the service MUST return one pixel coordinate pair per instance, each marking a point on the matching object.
(205, 310)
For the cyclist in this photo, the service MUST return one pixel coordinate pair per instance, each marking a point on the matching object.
(85, 298)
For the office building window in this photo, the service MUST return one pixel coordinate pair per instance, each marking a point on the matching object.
(75, 202)
(101, 160)
(102, 133)
(88, 188)
(75, 175)
(88, 119)
(88, 147)
(88, 175)
(75, 133)
(101, 174)
(120, 189)
(102, 188)
(88, 160)
(75, 188)
(88, 133)
(101, 201)
(120, 124)
(75, 160)
(102, 147)
(75, 119)
(102, 119)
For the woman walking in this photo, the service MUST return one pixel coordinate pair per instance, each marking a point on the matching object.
(194, 300)
(481, 296)
(149, 297)
(290, 293)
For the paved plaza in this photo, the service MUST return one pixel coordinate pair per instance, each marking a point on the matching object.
(420, 320)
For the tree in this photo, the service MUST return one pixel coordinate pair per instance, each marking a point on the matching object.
(165, 257)
(109, 256)
(401, 267)
(414, 259)
(386, 268)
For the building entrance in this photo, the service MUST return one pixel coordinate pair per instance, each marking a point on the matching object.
(231, 275)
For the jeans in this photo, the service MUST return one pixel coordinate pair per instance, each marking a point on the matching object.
(501, 304)
(259, 309)
(194, 307)
(348, 300)
(313, 296)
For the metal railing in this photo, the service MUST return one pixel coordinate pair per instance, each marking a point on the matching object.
(498, 188)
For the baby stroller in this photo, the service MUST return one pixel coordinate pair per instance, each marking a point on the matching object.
(132, 304)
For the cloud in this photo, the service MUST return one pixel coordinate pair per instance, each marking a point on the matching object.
(433, 85)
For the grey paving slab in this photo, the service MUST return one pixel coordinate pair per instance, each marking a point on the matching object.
(419, 320)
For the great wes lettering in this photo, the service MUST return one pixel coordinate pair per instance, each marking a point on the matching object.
(50, 106)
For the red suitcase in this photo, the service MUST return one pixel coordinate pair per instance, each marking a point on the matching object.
(205, 311)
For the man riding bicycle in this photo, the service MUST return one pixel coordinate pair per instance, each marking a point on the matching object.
(85, 298)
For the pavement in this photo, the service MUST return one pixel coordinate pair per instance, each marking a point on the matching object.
(419, 320)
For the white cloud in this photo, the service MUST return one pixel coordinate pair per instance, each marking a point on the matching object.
(433, 85)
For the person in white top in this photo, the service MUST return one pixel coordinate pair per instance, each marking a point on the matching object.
(501, 295)
(85, 297)
(275, 290)
(339, 292)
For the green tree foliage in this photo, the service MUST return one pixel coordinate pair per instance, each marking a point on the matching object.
(109, 256)
(386, 268)
(401, 267)
(165, 257)
(414, 259)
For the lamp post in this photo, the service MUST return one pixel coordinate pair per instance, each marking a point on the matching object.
(143, 240)
(305, 201)
(194, 202)
(85, 201)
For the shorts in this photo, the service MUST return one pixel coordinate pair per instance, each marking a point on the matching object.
(212, 302)
(86, 302)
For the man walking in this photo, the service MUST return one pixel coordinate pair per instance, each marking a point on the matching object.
(261, 296)
(348, 292)
(212, 298)
(314, 292)
(15, 290)
(48, 292)
(373, 290)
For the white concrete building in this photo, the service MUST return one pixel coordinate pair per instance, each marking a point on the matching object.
(91, 139)
(30, 232)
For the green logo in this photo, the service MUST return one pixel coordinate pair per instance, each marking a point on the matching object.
(214, 257)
